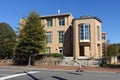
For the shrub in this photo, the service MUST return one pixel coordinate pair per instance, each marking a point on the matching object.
(41, 56)
(113, 65)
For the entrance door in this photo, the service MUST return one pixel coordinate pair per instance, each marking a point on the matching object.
(82, 51)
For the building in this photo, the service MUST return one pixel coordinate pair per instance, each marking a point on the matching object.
(79, 38)
(104, 43)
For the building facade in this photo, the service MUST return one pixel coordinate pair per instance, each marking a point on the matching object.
(79, 38)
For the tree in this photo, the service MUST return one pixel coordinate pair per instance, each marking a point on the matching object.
(32, 38)
(7, 40)
(113, 50)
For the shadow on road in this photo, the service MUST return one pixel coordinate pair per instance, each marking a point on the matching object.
(58, 78)
(33, 77)
(74, 73)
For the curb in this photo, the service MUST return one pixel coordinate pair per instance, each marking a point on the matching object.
(60, 69)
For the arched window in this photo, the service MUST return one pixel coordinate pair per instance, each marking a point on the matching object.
(84, 32)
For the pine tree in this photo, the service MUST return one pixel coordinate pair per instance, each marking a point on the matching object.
(32, 38)
(7, 40)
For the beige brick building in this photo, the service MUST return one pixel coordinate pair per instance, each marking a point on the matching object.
(79, 38)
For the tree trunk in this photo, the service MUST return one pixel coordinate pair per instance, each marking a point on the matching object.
(29, 61)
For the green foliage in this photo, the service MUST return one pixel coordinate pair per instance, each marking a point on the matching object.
(113, 50)
(40, 56)
(113, 66)
(7, 40)
(32, 38)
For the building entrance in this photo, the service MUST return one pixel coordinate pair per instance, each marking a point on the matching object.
(82, 51)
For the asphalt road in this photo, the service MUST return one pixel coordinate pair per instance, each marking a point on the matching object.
(17, 73)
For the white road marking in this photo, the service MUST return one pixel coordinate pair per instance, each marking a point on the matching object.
(16, 75)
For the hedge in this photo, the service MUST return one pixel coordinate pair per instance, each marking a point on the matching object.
(40, 56)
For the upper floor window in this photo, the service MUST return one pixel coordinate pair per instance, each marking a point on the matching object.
(61, 22)
(103, 37)
(61, 36)
(84, 31)
(49, 23)
(49, 37)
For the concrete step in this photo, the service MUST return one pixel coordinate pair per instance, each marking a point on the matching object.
(69, 61)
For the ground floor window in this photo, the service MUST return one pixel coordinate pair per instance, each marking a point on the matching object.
(48, 50)
(60, 49)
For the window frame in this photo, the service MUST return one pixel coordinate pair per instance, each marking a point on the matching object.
(49, 37)
(103, 37)
(61, 36)
(48, 50)
(61, 21)
(84, 32)
(49, 23)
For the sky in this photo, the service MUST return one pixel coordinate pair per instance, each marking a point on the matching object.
(11, 11)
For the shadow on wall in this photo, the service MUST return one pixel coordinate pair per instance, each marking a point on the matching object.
(68, 42)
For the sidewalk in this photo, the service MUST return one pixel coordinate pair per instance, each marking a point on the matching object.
(97, 69)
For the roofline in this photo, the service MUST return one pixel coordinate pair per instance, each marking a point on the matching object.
(104, 32)
(88, 17)
(56, 15)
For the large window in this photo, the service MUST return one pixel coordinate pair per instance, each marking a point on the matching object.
(84, 31)
(61, 36)
(48, 50)
(49, 23)
(61, 22)
(49, 37)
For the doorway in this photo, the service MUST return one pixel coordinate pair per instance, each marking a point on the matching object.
(82, 51)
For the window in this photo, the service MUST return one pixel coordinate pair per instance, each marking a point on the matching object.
(103, 37)
(84, 32)
(61, 36)
(49, 37)
(49, 23)
(60, 49)
(98, 32)
(48, 50)
(103, 45)
(61, 22)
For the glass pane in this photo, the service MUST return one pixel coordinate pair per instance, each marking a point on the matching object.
(48, 50)
(61, 36)
(49, 37)
(81, 32)
(49, 23)
(84, 32)
(61, 22)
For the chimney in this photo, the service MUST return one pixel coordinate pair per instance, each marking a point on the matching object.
(58, 11)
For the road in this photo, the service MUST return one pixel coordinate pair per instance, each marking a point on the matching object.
(18, 73)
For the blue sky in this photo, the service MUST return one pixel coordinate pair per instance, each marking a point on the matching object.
(11, 11)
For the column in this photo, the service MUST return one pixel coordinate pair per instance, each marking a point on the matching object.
(75, 40)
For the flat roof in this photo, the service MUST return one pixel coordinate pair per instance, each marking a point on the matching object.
(88, 17)
(104, 33)
(56, 15)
